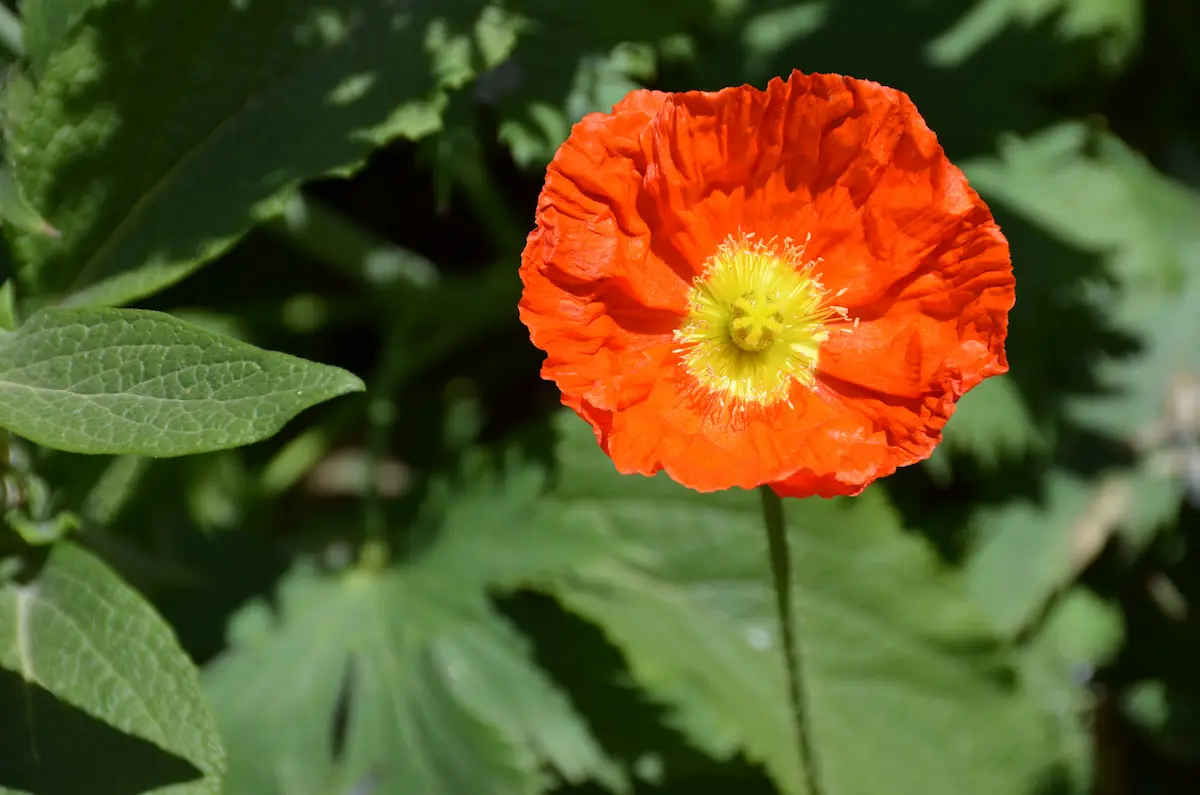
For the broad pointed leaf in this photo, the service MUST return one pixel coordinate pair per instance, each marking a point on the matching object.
(139, 382)
(96, 694)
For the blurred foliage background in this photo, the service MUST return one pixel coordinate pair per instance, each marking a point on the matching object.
(439, 586)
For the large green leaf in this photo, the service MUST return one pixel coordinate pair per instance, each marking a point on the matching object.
(139, 382)
(1029, 551)
(1111, 203)
(437, 692)
(97, 696)
(907, 689)
(159, 132)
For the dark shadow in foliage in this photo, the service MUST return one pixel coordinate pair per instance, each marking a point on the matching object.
(1056, 782)
(258, 73)
(1159, 753)
(576, 655)
(236, 566)
(53, 748)
(1154, 107)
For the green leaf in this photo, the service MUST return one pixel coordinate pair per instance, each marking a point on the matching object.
(150, 178)
(532, 127)
(1030, 550)
(38, 532)
(991, 423)
(1081, 633)
(1117, 23)
(129, 381)
(438, 692)
(570, 63)
(1089, 190)
(8, 306)
(885, 633)
(96, 693)
(1092, 192)
(45, 23)
(18, 212)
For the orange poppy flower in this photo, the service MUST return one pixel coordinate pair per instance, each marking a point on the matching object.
(789, 287)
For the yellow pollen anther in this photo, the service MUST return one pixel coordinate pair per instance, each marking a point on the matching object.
(756, 320)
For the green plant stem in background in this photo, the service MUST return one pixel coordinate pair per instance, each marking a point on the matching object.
(10, 32)
(333, 238)
(381, 416)
(781, 573)
(488, 202)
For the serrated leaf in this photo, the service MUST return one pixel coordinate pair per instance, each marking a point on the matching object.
(1092, 192)
(885, 633)
(95, 688)
(1031, 550)
(150, 178)
(1110, 202)
(127, 381)
(440, 694)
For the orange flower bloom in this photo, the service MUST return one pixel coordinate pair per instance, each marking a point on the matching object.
(791, 286)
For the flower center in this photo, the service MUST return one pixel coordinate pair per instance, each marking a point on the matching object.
(756, 320)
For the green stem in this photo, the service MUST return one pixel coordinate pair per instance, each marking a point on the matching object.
(487, 200)
(337, 240)
(381, 416)
(781, 572)
(10, 32)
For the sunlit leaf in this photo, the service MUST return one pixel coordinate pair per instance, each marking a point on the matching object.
(95, 692)
(438, 692)
(885, 633)
(44, 23)
(137, 382)
(159, 133)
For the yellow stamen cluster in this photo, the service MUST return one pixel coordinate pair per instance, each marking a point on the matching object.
(756, 319)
